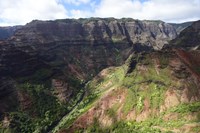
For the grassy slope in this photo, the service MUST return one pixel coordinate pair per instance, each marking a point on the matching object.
(146, 87)
(103, 85)
(142, 86)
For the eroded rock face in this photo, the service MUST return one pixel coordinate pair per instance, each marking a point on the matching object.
(148, 33)
(16, 62)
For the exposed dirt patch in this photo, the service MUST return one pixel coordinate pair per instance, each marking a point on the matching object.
(157, 65)
(6, 122)
(171, 116)
(171, 100)
(101, 110)
(76, 71)
(188, 128)
(25, 101)
(131, 115)
(146, 104)
(143, 115)
(62, 90)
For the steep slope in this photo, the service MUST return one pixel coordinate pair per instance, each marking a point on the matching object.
(189, 37)
(153, 92)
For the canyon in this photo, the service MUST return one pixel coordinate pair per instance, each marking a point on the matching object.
(83, 75)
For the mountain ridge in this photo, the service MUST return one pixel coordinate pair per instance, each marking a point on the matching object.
(147, 33)
(60, 72)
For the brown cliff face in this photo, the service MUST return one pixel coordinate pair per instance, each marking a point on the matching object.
(189, 37)
(149, 33)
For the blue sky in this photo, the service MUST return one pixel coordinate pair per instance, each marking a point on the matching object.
(20, 12)
(79, 5)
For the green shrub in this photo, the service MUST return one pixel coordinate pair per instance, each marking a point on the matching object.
(185, 108)
(111, 113)
(43, 112)
(164, 61)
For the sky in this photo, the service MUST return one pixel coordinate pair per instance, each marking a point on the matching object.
(20, 12)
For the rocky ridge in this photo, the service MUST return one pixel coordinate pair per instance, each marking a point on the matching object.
(189, 37)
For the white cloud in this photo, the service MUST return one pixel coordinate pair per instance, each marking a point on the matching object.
(77, 2)
(80, 14)
(166, 10)
(14, 12)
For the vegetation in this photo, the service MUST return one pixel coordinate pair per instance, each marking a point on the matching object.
(196, 129)
(164, 61)
(123, 126)
(21, 122)
(150, 85)
(111, 113)
(44, 110)
(145, 85)
(131, 101)
(39, 77)
(142, 82)
(187, 107)
(80, 108)
(197, 69)
(95, 90)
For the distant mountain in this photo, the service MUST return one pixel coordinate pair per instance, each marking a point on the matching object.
(180, 26)
(189, 37)
(6, 32)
